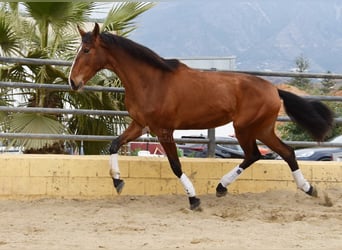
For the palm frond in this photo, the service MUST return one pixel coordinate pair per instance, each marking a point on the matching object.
(6, 99)
(120, 17)
(64, 46)
(95, 126)
(34, 123)
(59, 14)
(9, 43)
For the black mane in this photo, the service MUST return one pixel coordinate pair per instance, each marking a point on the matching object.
(139, 52)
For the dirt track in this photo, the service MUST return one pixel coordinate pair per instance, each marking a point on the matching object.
(271, 220)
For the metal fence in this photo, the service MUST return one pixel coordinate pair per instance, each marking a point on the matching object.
(211, 133)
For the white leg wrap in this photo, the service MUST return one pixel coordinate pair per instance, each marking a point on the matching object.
(114, 166)
(300, 180)
(188, 187)
(231, 176)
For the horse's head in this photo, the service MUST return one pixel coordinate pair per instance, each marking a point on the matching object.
(89, 58)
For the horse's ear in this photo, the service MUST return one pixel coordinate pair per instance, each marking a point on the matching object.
(81, 31)
(96, 30)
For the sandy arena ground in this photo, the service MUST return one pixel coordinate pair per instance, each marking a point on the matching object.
(271, 220)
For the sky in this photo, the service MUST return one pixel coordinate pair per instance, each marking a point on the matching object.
(102, 10)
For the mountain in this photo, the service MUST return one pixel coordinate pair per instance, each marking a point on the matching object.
(262, 34)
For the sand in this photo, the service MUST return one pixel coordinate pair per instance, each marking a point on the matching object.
(270, 220)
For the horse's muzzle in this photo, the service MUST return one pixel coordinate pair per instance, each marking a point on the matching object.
(74, 86)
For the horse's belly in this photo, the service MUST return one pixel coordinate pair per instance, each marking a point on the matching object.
(206, 120)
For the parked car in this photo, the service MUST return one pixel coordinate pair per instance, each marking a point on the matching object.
(10, 150)
(319, 153)
(221, 150)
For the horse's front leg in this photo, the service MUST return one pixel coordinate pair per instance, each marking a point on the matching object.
(165, 138)
(133, 131)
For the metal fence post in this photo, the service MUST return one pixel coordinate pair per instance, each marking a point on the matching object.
(82, 148)
(211, 143)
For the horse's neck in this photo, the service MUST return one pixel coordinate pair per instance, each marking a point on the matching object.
(139, 82)
(136, 76)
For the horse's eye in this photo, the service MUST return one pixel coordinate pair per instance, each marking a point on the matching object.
(86, 50)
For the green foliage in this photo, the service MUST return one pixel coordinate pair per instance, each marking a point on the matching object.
(336, 107)
(120, 17)
(135, 152)
(9, 44)
(302, 66)
(49, 31)
(34, 123)
(291, 132)
(180, 152)
(327, 85)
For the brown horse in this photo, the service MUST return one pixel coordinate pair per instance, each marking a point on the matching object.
(162, 95)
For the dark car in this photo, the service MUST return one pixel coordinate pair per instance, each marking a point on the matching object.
(221, 150)
(319, 153)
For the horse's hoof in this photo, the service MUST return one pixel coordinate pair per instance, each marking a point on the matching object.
(119, 185)
(312, 191)
(195, 204)
(221, 190)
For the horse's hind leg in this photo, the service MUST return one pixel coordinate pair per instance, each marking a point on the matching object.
(132, 132)
(252, 154)
(287, 153)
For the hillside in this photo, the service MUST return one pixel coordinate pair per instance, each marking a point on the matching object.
(262, 34)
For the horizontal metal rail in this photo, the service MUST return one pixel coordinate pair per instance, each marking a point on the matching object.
(96, 112)
(36, 61)
(287, 119)
(66, 87)
(60, 87)
(150, 139)
(64, 111)
(289, 74)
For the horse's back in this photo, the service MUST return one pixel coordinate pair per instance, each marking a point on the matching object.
(210, 99)
(238, 89)
(256, 103)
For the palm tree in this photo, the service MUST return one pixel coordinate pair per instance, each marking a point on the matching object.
(41, 37)
(52, 34)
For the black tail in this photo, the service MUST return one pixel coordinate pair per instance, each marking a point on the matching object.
(313, 116)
